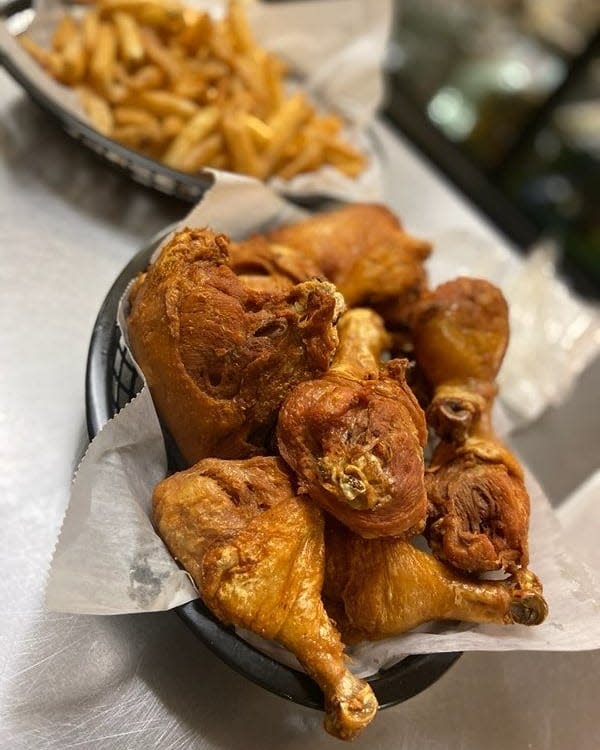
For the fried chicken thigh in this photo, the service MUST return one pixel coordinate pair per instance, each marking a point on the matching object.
(355, 436)
(364, 251)
(220, 357)
(378, 588)
(256, 553)
(479, 507)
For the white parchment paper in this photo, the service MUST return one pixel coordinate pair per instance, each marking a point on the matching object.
(109, 560)
(334, 47)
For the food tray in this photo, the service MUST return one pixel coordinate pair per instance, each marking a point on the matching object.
(140, 168)
(111, 381)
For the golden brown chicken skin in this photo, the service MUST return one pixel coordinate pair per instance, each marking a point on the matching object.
(379, 588)
(220, 357)
(364, 251)
(268, 266)
(355, 436)
(479, 507)
(256, 553)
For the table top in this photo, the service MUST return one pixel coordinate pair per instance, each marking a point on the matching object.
(69, 224)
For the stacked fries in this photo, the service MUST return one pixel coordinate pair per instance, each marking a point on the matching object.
(191, 91)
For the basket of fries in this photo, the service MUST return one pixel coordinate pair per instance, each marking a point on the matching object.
(167, 91)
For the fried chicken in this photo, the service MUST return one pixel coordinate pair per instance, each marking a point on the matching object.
(267, 266)
(479, 507)
(220, 357)
(256, 553)
(364, 251)
(355, 436)
(378, 588)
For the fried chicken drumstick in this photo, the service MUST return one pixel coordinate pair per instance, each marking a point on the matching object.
(256, 553)
(355, 436)
(378, 588)
(479, 507)
(219, 356)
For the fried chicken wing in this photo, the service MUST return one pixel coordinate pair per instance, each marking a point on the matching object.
(256, 553)
(220, 357)
(364, 251)
(378, 588)
(479, 507)
(355, 436)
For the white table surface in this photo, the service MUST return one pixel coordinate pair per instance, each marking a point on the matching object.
(68, 225)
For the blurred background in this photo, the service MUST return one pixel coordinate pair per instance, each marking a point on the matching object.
(504, 97)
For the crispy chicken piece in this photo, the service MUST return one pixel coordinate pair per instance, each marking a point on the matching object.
(218, 356)
(256, 553)
(267, 266)
(378, 588)
(355, 436)
(364, 251)
(479, 507)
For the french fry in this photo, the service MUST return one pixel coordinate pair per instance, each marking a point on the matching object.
(196, 129)
(237, 97)
(97, 109)
(103, 57)
(213, 70)
(147, 77)
(139, 137)
(240, 146)
(221, 43)
(165, 15)
(89, 29)
(195, 33)
(260, 131)
(164, 103)
(159, 54)
(202, 153)
(64, 33)
(274, 88)
(190, 85)
(308, 159)
(252, 76)
(124, 115)
(74, 60)
(348, 165)
(285, 124)
(240, 29)
(343, 156)
(39, 54)
(329, 124)
(130, 44)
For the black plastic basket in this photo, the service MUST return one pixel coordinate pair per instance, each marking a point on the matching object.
(111, 381)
